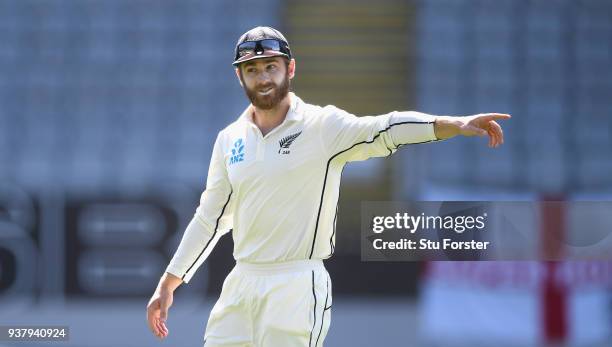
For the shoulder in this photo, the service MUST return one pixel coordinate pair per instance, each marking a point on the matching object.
(322, 114)
(313, 110)
(230, 133)
(332, 117)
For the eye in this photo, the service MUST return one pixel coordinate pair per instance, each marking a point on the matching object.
(271, 67)
(250, 69)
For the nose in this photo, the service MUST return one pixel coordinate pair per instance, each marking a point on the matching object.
(263, 77)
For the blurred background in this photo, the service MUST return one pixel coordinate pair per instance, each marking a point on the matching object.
(109, 110)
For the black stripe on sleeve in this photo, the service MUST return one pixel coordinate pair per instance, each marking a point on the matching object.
(314, 239)
(213, 235)
(332, 246)
(416, 143)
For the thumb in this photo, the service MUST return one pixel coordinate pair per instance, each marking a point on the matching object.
(472, 130)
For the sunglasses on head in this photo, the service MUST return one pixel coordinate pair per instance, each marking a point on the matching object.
(259, 47)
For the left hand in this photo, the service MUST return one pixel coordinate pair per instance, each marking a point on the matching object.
(482, 125)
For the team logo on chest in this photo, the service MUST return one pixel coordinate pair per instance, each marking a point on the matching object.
(286, 141)
(237, 152)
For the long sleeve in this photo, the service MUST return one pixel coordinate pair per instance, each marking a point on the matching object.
(358, 138)
(212, 219)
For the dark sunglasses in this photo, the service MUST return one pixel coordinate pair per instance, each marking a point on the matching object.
(258, 47)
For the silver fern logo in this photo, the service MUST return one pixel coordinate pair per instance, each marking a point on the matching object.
(286, 141)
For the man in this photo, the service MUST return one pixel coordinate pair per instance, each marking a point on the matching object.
(274, 180)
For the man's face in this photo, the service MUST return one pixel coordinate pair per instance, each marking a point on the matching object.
(266, 81)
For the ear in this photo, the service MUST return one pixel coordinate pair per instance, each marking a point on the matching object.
(238, 75)
(291, 68)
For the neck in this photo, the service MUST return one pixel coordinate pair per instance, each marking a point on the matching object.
(266, 120)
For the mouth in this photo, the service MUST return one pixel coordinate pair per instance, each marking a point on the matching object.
(266, 91)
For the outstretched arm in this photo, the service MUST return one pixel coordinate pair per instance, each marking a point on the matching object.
(350, 138)
(347, 137)
(477, 125)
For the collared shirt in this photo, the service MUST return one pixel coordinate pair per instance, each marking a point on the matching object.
(278, 193)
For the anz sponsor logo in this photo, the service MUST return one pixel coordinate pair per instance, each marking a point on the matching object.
(237, 152)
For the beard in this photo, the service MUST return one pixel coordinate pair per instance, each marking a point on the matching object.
(270, 101)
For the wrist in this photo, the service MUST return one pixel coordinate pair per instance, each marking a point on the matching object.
(168, 283)
(165, 288)
(446, 127)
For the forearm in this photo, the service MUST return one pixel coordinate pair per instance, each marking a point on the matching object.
(408, 127)
(446, 127)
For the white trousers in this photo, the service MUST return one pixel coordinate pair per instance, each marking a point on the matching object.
(272, 305)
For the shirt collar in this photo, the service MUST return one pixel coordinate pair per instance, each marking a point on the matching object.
(293, 114)
(296, 108)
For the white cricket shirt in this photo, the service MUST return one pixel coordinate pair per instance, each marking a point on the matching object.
(278, 193)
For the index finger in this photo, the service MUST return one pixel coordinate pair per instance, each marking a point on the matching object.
(492, 116)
